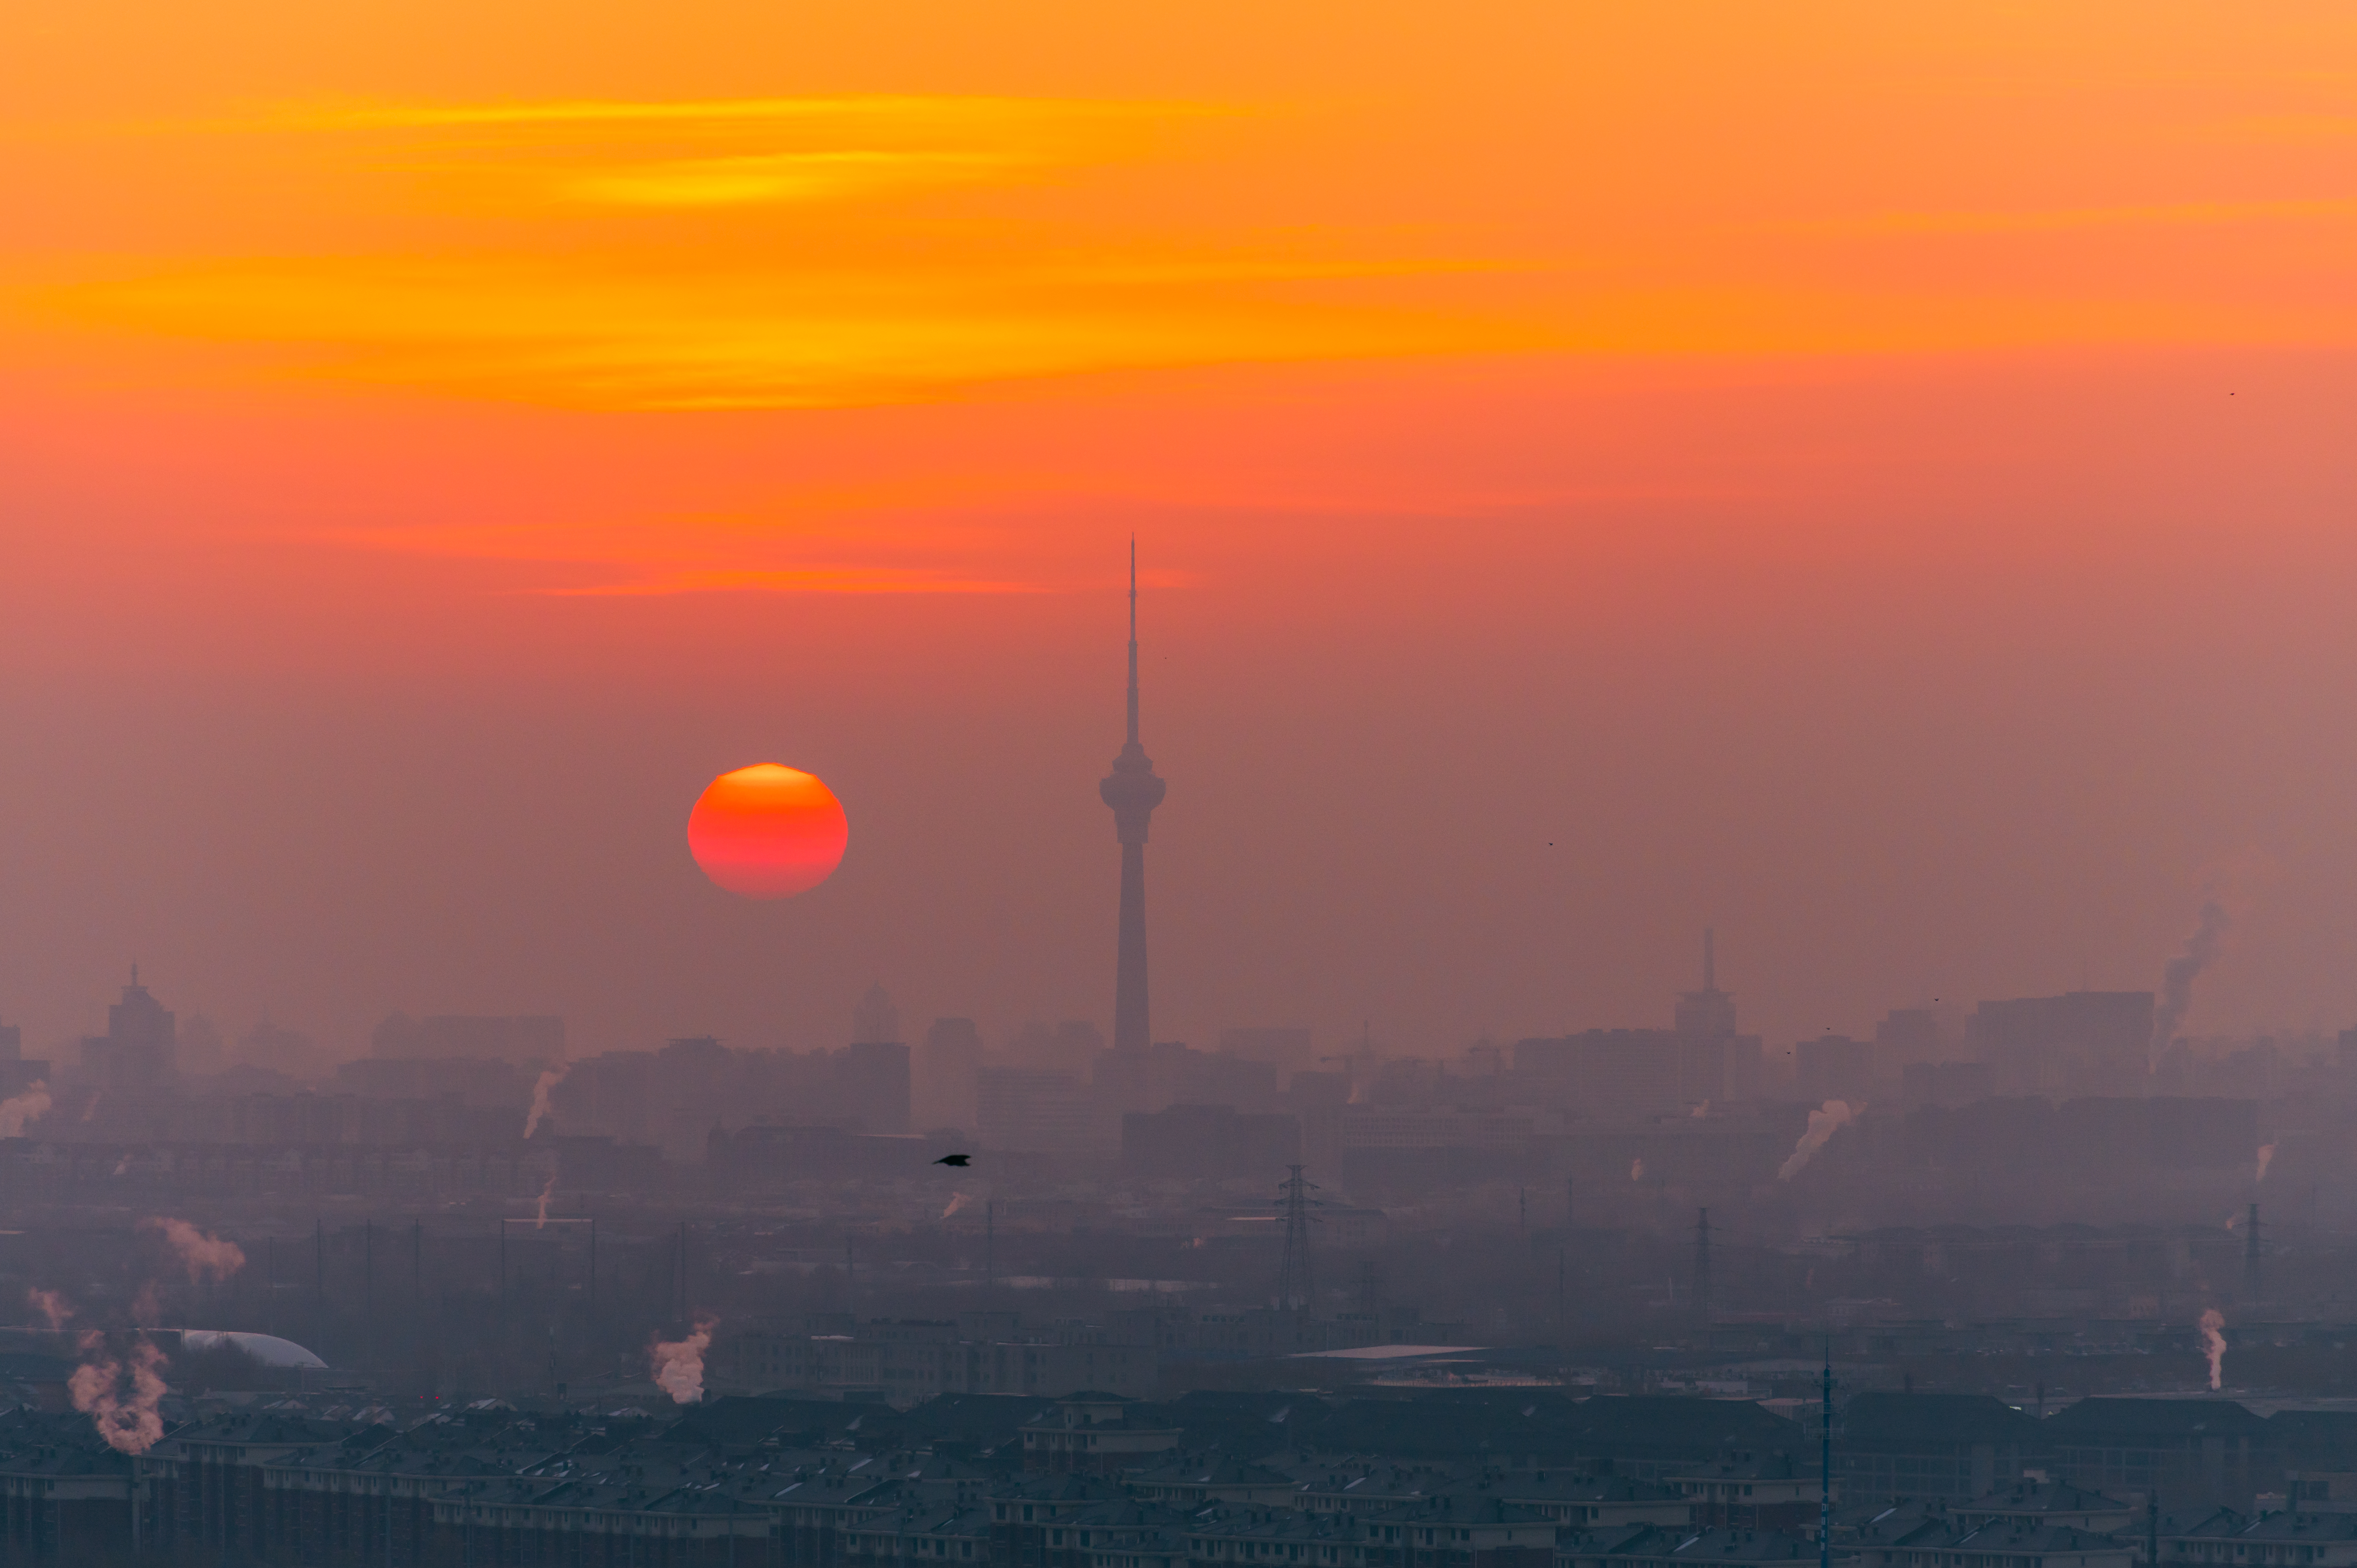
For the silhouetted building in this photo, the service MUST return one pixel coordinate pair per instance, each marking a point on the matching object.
(876, 1021)
(1208, 1141)
(1133, 790)
(136, 1048)
(17, 1074)
(1952, 1446)
(1832, 1066)
(945, 1069)
(530, 1037)
(1031, 1108)
(872, 1085)
(2083, 1042)
(1946, 1083)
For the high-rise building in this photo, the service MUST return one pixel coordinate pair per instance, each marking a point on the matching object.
(2082, 1042)
(1032, 1109)
(137, 1045)
(945, 1074)
(875, 1022)
(1714, 1062)
(1133, 790)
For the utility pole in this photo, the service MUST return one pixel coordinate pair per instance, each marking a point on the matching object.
(1702, 1268)
(1825, 1468)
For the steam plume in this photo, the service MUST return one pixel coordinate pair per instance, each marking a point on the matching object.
(29, 1106)
(2177, 976)
(539, 1220)
(957, 1200)
(1637, 1169)
(2213, 1344)
(52, 1305)
(129, 1424)
(679, 1363)
(1823, 1125)
(549, 1079)
(90, 1110)
(2267, 1158)
(205, 1256)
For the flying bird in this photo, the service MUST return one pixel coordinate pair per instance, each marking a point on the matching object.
(960, 1161)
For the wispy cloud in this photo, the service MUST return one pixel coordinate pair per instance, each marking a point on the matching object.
(735, 151)
(2036, 220)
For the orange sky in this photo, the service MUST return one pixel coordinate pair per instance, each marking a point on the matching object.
(1874, 477)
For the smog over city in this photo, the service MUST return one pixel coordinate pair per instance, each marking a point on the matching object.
(1505, 786)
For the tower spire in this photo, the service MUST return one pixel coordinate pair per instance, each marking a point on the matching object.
(1133, 639)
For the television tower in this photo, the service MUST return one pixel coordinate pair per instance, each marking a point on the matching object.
(1133, 790)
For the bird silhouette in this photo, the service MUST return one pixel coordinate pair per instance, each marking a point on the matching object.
(960, 1161)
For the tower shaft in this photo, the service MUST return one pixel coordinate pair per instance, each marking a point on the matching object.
(1131, 1028)
(1133, 790)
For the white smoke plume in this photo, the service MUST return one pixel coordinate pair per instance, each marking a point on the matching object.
(1637, 1169)
(1822, 1125)
(2177, 976)
(128, 1421)
(2267, 1158)
(52, 1305)
(90, 1110)
(679, 1363)
(549, 1079)
(957, 1200)
(29, 1106)
(206, 1257)
(2213, 1345)
(539, 1220)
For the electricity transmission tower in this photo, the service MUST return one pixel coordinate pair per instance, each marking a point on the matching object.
(1295, 1287)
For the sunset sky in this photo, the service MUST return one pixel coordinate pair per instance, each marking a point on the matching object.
(1877, 479)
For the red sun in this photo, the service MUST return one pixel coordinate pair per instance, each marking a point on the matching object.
(768, 832)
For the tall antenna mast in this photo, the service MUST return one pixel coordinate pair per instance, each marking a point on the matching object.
(1133, 639)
